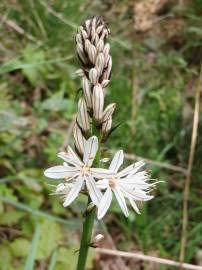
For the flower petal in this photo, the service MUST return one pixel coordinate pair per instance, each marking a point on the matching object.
(132, 169)
(74, 192)
(69, 159)
(104, 203)
(59, 172)
(121, 200)
(134, 205)
(117, 161)
(90, 150)
(93, 190)
(137, 195)
(102, 184)
(101, 173)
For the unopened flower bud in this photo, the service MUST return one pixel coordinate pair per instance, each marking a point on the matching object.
(83, 115)
(108, 112)
(92, 53)
(98, 102)
(106, 126)
(79, 139)
(78, 38)
(87, 92)
(100, 45)
(99, 29)
(100, 62)
(98, 238)
(84, 34)
(106, 49)
(79, 72)
(105, 83)
(107, 73)
(93, 76)
(80, 52)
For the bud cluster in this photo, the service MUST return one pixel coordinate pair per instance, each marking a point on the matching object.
(93, 53)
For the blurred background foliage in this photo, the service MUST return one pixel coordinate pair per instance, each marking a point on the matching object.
(157, 50)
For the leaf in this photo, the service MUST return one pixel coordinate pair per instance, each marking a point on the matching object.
(32, 252)
(5, 257)
(20, 247)
(50, 236)
(11, 217)
(53, 260)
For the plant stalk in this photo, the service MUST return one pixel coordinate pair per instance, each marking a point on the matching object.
(86, 238)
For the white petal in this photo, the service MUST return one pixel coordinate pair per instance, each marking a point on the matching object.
(121, 200)
(137, 195)
(117, 161)
(70, 159)
(59, 172)
(74, 192)
(134, 205)
(104, 203)
(137, 167)
(101, 173)
(90, 150)
(132, 169)
(102, 184)
(94, 192)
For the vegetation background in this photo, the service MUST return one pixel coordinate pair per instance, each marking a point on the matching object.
(157, 50)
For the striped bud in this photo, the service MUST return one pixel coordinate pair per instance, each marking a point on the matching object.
(84, 34)
(100, 62)
(99, 29)
(79, 72)
(106, 126)
(87, 92)
(100, 45)
(105, 83)
(79, 139)
(78, 38)
(80, 52)
(109, 110)
(93, 76)
(106, 49)
(83, 115)
(98, 102)
(87, 45)
(107, 73)
(92, 53)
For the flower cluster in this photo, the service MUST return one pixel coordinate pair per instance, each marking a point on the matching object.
(78, 173)
(96, 62)
(130, 183)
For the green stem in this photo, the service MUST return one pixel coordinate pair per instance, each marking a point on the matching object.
(86, 238)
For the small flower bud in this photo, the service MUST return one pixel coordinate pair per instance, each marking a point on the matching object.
(78, 38)
(80, 52)
(106, 126)
(106, 49)
(107, 73)
(84, 34)
(83, 115)
(100, 45)
(99, 29)
(98, 238)
(98, 102)
(87, 45)
(92, 53)
(105, 83)
(93, 76)
(79, 72)
(79, 139)
(100, 61)
(87, 92)
(108, 112)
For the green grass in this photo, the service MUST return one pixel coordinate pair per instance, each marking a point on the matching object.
(38, 98)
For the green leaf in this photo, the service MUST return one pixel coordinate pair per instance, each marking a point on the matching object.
(32, 252)
(20, 247)
(11, 217)
(50, 236)
(5, 257)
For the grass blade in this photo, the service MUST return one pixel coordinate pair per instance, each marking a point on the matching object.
(32, 253)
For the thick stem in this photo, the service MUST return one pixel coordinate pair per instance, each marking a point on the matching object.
(86, 238)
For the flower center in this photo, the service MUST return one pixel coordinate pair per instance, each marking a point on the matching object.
(85, 170)
(113, 182)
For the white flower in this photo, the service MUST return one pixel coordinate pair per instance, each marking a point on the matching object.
(130, 183)
(77, 173)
